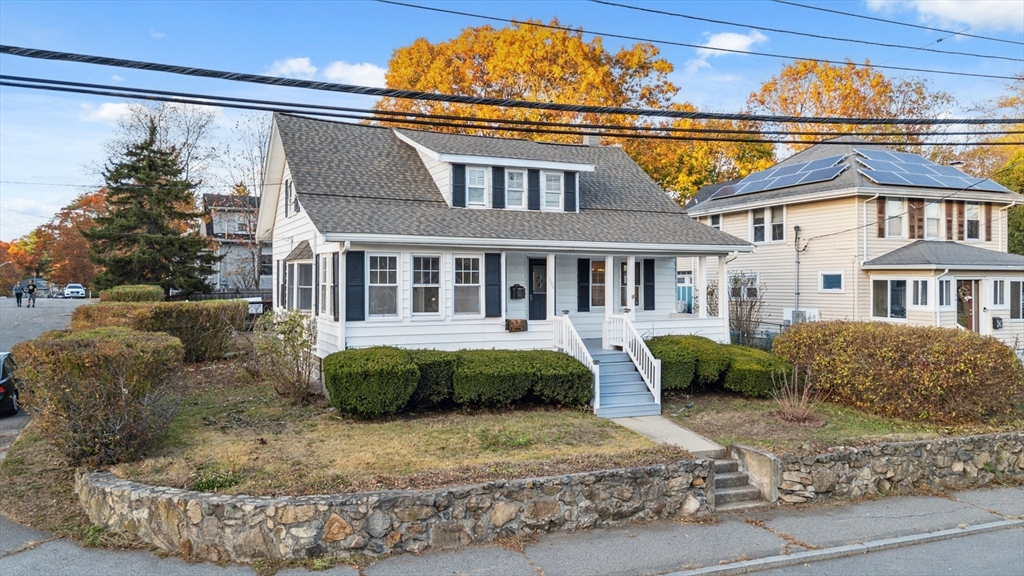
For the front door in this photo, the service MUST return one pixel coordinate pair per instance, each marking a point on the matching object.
(538, 289)
(967, 304)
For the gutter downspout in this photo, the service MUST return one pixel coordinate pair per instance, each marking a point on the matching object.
(938, 291)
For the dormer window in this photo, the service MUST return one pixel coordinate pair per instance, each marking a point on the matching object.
(552, 190)
(515, 188)
(476, 186)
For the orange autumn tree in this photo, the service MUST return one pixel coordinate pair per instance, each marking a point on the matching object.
(63, 242)
(10, 272)
(811, 88)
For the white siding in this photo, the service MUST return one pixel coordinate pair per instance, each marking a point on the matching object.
(441, 173)
(289, 232)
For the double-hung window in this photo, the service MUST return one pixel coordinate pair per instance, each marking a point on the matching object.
(426, 284)
(945, 293)
(304, 287)
(325, 286)
(515, 188)
(716, 221)
(631, 294)
(999, 293)
(778, 224)
(894, 218)
(931, 219)
(596, 283)
(889, 298)
(920, 293)
(467, 285)
(382, 289)
(743, 286)
(1016, 300)
(552, 190)
(476, 185)
(757, 223)
(973, 217)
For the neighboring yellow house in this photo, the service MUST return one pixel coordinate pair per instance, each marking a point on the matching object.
(852, 230)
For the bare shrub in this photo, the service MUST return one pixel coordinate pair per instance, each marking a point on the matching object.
(798, 398)
(282, 353)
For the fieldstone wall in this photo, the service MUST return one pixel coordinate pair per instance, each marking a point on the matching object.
(243, 528)
(902, 466)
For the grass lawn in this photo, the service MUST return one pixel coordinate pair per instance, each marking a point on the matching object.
(733, 419)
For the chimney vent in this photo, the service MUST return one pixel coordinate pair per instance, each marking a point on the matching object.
(591, 139)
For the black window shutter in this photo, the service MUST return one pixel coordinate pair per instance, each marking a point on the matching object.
(282, 283)
(648, 284)
(287, 197)
(533, 189)
(355, 290)
(497, 187)
(570, 191)
(583, 285)
(459, 185)
(316, 285)
(492, 285)
(334, 284)
(290, 288)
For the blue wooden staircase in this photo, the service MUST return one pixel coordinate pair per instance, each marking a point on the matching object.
(623, 393)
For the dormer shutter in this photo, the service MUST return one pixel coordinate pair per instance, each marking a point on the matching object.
(533, 189)
(459, 185)
(497, 187)
(570, 191)
(648, 284)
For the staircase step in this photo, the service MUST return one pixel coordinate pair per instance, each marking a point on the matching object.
(627, 399)
(731, 480)
(630, 379)
(741, 494)
(628, 411)
(618, 368)
(740, 506)
(723, 466)
(620, 387)
(610, 356)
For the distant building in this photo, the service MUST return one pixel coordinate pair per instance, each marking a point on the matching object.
(231, 223)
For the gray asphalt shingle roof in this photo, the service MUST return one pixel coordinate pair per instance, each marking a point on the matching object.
(358, 179)
(947, 254)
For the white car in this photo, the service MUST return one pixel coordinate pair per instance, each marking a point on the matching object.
(74, 291)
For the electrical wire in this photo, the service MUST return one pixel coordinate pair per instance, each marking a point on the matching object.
(481, 101)
(576, 126)
(804, 34)
(876, 19)
(686, 45)
(213, 101)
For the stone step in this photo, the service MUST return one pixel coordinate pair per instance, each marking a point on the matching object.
(731, 495)
(739, 506)
(723, 466)
(731, 480)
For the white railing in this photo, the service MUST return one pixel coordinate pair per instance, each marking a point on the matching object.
(619, 331)
(568, 340)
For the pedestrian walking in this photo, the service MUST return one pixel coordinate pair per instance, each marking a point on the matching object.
(31, 289)
(18, 293)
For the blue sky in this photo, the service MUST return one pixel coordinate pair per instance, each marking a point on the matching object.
(48, 141)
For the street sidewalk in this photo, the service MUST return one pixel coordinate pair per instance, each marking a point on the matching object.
(725, 545)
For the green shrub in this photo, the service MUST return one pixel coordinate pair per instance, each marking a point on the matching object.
(912, 372)
(751, 370)
(493, 378)
(100, 396)
(560, 379)
(133, 293)
(124, 314)
(370, 382)
(711, 358)
(678, 362)
(282, 353)
(437, 369)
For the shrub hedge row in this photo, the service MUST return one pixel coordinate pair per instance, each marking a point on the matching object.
(133, 293)
(699, 363)
(678, 363)
(753, 372)
(910, 372)
(205, 328)
(372, 382)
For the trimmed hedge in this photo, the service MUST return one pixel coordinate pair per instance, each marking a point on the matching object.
(101, 396)
(133, 293)
(370, 382)
(559, 378)
(678, 362)
(493, 378)
(205, 328)
(751, 370)
(437, 371)
(939, 375)
(711, 360)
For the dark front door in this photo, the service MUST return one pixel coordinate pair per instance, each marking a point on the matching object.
(538, 289)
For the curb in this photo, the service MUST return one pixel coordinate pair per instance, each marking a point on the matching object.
(748, 566)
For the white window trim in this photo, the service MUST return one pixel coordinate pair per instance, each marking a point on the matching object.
(821, 281)
(951, 301)
(912, 284)
(992, 294)
(902, 218)
(295, 285)
(1009, 300)
(323, 284)
(526, 190)
(711, 221)
(888, 289)
(603, 286)
(766, 210)
(768, 224)
(942, 221)
(412, 286)
(398, 294)
(480, 288)
(757, 284)
(487, 188)
(981, 223)
(543, 191)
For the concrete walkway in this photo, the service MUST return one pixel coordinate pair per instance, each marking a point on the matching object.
(665, 431)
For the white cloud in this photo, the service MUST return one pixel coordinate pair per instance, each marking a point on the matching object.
(364, 74)
(157, 35)
(293, 68)
(978, 14)
(117, 78)
(724, 40)
(106, 112)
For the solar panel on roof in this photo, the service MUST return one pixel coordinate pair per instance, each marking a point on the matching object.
(788, 180)
(921, 180)
(756, 186)
(991, 186)
(919, 169)
(881, 177)
(911, 158)
(823, 174)
(787, 170)
(877, 155)
(823, 163)
(903, 169)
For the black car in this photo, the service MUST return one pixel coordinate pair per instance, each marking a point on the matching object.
(8, 385)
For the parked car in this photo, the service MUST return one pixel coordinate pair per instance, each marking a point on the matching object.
(74, 291)
(8, 385)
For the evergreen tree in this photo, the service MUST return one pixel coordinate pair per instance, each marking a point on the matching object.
(147, 238)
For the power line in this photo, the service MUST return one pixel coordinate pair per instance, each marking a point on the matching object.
(797, 33)
(876, 19)
(686, 45)
(476, 100)
(214, 101)
(459, 118)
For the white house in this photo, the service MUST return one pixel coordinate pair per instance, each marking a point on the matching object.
(231, 225)
(853, 230)
(428, 240)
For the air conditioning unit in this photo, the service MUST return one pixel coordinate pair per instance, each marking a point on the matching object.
(799, 316)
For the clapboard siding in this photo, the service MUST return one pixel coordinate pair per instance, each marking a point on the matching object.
(449, 335)
(289, 231)
(441, 173)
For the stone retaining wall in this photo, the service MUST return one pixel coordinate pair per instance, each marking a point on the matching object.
(244, 528)
(902, 466)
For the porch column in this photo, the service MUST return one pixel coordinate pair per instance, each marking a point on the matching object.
(631, 282)
(723, 298)
(609, 297)
(551, 287)
(700, 282)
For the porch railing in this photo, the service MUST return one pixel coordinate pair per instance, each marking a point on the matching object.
(568, 340)
(621, 332)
